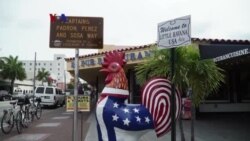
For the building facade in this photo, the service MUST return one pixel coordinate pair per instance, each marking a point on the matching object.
(232, 96)
(55, 67)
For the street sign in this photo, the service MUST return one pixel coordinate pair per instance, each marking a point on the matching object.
(174, 33)
(76, 32)
(83, 104)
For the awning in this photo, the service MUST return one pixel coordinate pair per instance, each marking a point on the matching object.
(223, 52)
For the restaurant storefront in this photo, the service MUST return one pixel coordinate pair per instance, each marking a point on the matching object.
(232, 96)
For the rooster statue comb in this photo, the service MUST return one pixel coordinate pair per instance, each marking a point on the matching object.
(119, 121)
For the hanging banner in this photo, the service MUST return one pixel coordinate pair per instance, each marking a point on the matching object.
(174, 33)
(83, 104)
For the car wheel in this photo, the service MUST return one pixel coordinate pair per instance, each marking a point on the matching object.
(62, 103)
(55, 106)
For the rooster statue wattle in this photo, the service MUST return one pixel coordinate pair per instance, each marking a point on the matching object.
(119, 121)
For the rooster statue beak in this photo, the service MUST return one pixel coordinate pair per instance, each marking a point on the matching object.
(105, 70)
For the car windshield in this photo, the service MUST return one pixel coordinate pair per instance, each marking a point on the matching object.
(49, 91)
(40, 90)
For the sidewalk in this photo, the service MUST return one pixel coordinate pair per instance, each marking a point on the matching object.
(208, 127)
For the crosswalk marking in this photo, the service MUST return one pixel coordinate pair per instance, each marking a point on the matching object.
(29, 137)
(48, 124)
(63, 117)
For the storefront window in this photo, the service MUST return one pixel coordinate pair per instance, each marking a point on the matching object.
(244, 86)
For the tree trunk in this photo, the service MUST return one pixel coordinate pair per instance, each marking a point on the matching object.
(181, 130)
(12, 86)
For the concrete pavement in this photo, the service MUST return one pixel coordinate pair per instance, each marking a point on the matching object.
(56, 124)
(208, 127)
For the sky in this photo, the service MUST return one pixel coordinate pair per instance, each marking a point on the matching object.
(25, 24)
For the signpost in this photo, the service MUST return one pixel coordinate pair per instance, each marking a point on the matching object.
(76, 32)
(172, 34)
(83, 104)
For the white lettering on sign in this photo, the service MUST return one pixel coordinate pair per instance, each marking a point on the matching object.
(231, 55)
(129, 57)
(174, 33)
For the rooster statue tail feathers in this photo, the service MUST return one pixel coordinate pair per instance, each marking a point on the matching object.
(119, 121)
(156, 95)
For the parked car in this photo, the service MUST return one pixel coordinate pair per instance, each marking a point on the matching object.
(4, 95)
(50, 96)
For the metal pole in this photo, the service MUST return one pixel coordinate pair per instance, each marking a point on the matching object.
(64, 82)
(34, 79)
(81, 126)
(173, 129)
(75, 131)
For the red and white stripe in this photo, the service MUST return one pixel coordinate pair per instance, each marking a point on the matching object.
(156, 96)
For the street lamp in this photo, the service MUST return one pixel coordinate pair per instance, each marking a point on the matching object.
(34, 79)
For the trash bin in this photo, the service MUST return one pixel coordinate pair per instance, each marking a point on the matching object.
(186, 108)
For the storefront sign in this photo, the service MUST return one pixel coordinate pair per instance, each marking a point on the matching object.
(97, 61)
(223, 52)
(76, 32)
(174, 33)
(83, 103)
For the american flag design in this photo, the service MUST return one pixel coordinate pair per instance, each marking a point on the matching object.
(115, 118)
(118, 120)
(156, 97)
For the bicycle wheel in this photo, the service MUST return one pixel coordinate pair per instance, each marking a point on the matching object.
(7, 122)
(32, 110)
(19, 122)
(38, 111)
(25, 118)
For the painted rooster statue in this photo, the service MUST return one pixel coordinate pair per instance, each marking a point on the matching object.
(119, 121)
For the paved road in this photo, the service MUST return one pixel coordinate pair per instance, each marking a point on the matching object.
(208, 127)
(55, 125)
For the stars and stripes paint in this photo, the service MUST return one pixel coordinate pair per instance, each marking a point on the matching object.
(117, 120)
(126, 116)
(156, 97)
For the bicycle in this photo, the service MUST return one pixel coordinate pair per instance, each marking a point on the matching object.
(36, 108)
(10, 118)
(24, 111)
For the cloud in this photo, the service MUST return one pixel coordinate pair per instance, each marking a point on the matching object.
(24, 26)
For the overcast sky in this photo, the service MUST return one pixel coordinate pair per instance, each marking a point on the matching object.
(24, 24)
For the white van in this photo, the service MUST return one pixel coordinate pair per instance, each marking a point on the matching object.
(50, 96)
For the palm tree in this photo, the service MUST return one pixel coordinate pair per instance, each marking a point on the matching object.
(12, 69)
(43, 75)
(199, 76)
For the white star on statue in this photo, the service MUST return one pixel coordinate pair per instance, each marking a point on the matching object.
(138, 119)
(115, 117)
(136, 110)
(126, 110)
(147, 119)
(115, 105)
(126, 122)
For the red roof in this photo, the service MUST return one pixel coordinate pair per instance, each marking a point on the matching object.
(212, 41)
